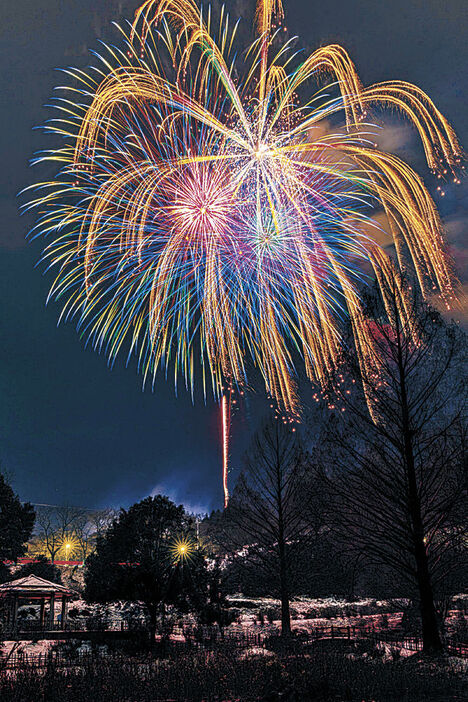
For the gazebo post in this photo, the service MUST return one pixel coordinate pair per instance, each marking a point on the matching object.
(42, 612)
(52, 610)
(64, 612)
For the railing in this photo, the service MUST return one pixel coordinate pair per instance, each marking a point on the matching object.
(208, 637)
(458, 648)
(20, 661)
(35, 627)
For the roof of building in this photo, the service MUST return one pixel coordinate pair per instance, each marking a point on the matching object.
(33, 584)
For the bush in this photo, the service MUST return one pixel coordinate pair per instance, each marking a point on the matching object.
(411, 621)
(222, 674)
(383, 621)
(42, 568)
(273, 614)
(97, 619)
(28, 613)
(460, 628)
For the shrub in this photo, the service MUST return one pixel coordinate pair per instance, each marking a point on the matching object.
(40, 567)
(383, 621)
(460, 628)
(411, 621)
(225, 674)
(272, 614)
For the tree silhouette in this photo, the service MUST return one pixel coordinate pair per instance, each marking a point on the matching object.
(16, 523)
(41, 567)
(267, 516)
(392, 456)
(137, 559)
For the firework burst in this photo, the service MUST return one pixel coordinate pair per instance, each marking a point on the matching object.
(203, 217)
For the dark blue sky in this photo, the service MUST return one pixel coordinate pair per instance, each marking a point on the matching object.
(71, 430)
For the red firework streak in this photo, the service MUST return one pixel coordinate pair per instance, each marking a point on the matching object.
(226, 420)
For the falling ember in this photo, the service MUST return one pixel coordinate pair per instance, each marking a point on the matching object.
(226, 412)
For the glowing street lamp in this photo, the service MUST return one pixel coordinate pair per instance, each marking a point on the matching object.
(69, 545)
(182, 549)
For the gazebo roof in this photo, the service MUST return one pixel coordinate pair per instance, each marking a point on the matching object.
(32, 585)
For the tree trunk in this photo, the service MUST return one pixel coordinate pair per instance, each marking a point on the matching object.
(430, 630)
(284, 584)
(285, 613)
(152, 625)
(284, 594)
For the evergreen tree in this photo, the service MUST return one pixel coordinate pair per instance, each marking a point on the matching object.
(147, 554)
(42, 568)
(16, 523)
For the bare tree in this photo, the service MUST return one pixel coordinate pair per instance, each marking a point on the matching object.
(67, 518)
(102, 519)
(88, 526)
(266, 511)
(84, 534)
(48, 536)
(393, 455)
(57, 526)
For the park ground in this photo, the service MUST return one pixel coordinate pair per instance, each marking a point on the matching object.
(340, 651)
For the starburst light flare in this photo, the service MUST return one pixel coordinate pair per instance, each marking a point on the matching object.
(182, 549)
(69, 546)
(213, 212)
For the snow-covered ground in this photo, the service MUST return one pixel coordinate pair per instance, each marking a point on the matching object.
(258, 615)
(307, 613)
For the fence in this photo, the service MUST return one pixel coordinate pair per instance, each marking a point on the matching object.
(211, 638)
(28, 626)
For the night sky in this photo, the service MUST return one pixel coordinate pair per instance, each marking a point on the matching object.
(73, 431)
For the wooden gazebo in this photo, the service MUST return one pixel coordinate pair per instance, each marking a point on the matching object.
(32, 590)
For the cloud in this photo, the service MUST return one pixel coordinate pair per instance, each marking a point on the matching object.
(456, 229)
(179, 496)
(395, 138)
